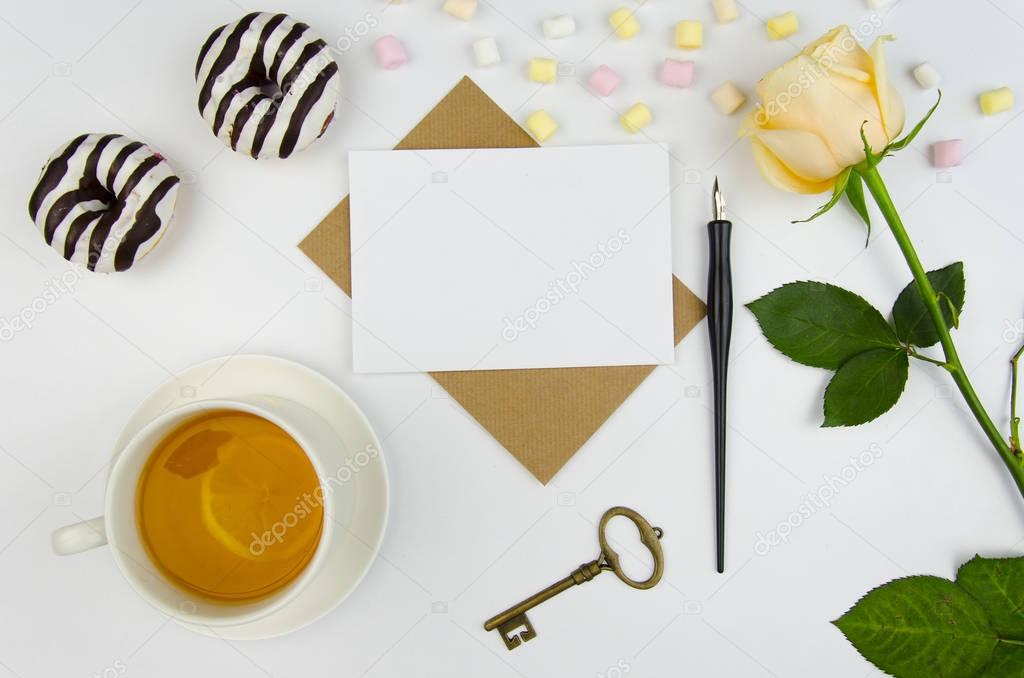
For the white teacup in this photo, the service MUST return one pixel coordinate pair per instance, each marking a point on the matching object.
(326, 451)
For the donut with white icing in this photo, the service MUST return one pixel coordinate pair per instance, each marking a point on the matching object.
(104, 201)
(267, 85)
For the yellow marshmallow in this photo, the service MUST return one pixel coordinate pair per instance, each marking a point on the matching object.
(543, 70)
(689, 34)
(728, 98)
(996, 101)
(636, 118)
(725, 10)
(541, 125)
(783, 26)
(461, 9)
(624, 23)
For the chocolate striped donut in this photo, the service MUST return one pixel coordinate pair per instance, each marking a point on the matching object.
(104, 201)
(267, 85)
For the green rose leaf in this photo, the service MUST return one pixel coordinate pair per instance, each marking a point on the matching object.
(921, 627)
(1007, 662)
(866, 387)
(837, 193)
(998, 584)
(821, 325)
(913, 324)
(927, 626)
(855, 194)
(905, 141)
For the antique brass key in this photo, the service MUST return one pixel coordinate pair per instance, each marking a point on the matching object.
(514, 618)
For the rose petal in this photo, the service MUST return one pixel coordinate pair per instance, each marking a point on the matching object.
(890, 102)
(776, 173)
(750, 124)
(839, 48)
(803, 153)
(803, 95)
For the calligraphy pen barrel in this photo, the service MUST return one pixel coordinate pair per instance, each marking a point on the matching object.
(720, 331)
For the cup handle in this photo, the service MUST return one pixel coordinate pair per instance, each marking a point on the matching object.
(79, 537)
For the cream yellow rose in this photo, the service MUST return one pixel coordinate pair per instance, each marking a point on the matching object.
(806, 129)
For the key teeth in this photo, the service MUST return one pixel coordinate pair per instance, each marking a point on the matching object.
(514, 640)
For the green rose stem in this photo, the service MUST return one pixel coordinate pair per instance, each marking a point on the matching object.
(1014, 419)
(1010, 456)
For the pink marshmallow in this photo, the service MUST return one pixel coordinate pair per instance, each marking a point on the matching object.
(676, 73)
(949, 153)
(390, 52)
(604, 80)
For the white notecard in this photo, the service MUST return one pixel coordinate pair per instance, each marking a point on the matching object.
(510, 258)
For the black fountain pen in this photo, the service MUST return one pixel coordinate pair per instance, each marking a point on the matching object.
(720, 331)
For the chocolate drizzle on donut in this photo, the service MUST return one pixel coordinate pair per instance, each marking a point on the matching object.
(103, 201)
(206, 47)
(65, 203)
(307, 54)
(262, 130)
(76, 229)
(255, 75)
(54, 172)
(147, 223)
(286, 44)
(120, 159)
(267, 85)
(106, 222)
(89, 188)
(306, 102)
(225, 58)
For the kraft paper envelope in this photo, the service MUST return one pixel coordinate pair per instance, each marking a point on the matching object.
(541, 416)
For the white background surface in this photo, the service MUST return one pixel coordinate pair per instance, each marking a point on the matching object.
(471, 531)
(511, 258)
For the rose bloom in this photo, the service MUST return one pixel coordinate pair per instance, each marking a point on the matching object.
(806, 129)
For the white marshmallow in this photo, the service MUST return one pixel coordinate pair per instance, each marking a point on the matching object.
(485, 50)
(559, 27)
(878, 4)
(926, 76)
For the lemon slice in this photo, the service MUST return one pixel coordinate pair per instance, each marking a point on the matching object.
(252, 501)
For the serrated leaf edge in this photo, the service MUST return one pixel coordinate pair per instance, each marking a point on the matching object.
(954, 582)
(978, 557)
(835, 622)
(896, 345)
(956, 315)
(824, 398)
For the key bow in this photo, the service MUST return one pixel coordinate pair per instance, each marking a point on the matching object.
(649, 537)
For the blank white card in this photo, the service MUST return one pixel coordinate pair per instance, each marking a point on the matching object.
(510, 258)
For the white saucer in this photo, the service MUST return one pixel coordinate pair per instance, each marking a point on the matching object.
(265, 375)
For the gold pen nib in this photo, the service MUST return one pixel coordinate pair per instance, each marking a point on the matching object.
(717, 202)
